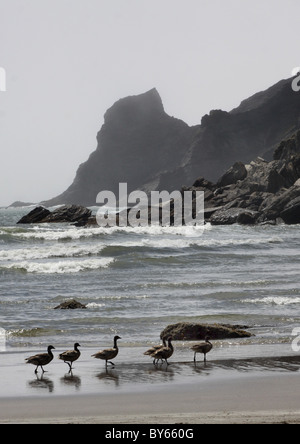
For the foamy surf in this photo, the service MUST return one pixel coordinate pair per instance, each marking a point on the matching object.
(61, 267)
(50, 251)
(135, 281)
(273, 300)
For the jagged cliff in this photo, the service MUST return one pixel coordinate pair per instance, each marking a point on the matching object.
(260, 192)
(141, 145)
(136, 144)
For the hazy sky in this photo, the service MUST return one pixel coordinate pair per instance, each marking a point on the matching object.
(67, 61)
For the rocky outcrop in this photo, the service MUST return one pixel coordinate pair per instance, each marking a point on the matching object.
(285, 206)
(67, 213)
(137, 143)
(260, 192)
(70, 213)
(194, 331)
(237, 172)
(70, 304)
(36, 215)
(143, 146)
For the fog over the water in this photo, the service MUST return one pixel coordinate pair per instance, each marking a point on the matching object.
(68, 61)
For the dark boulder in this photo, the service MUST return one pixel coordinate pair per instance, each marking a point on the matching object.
(237, 172)
(229, 216)
(247, 218)
(291, 212)
(194, 331)
(284, 201)
(287, 149)
(66, 213)
(70, 304)
(69, 213)
(36, 215)
(201, 182)
(264, 176)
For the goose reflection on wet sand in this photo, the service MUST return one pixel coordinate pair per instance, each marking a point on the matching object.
(71, 380)
(41, 382)
(108, 376)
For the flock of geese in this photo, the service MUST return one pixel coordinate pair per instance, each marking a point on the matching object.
(160, 352)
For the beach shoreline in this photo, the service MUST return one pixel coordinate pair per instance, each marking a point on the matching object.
(218, 392)
(251, 400)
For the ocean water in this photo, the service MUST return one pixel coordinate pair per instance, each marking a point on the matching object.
(137, 281)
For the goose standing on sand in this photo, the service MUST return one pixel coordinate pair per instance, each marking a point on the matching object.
(202, 347)
(41, 359)
(109, 353)
(70, 355)
(164, 353)
(155, 348)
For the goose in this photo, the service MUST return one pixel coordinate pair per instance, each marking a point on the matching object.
(70, 355)
(109, 353)
(202, 347)
(164, 353)
(153, 349)
(41, 359)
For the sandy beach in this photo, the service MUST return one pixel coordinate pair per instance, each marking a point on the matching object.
(259, 399)
(254, 390)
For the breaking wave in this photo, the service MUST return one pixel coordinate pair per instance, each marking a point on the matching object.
(67, 266)
(273, 300)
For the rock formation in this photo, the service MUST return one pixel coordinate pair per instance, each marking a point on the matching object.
(36, 215)
(66, 213)
(141, 145)
(136, 144)
(269, 192)
(70, 304)
(258, 192)
(194, 331)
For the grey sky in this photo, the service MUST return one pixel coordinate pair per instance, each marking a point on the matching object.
(67, 61)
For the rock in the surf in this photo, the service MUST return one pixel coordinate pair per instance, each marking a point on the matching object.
(195, 331)
(70, 304)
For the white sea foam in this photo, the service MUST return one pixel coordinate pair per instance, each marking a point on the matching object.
(48, 232)
(50, 251)
(67, 266)
(2, 339)
(157, 236)
(95, 305)
(58, 234)
(181, 242)
(274, 300)
(90, 245)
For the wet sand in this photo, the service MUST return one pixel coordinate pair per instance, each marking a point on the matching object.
(254, 390)
(250, 399)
